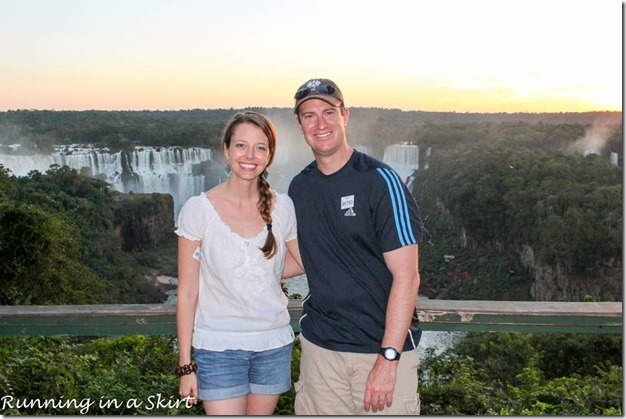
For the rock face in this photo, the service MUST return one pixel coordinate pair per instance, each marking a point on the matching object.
(555, 284)
(145, 220)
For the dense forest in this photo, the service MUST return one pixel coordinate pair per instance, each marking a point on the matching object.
(493, 195)
(67, 239)
(499, 187)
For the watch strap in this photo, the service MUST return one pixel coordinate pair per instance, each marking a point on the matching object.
(397, 354)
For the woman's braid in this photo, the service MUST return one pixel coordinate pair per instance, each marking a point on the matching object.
(269, 249)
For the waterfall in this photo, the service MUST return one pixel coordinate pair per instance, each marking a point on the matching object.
(403, 158)
(426, 164)
(144, 170)
(179, 172)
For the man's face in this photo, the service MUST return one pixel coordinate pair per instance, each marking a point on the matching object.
(323, 126)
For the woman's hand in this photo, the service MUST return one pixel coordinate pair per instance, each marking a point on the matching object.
(189, 388)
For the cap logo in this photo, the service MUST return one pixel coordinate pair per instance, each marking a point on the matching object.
(312, 84)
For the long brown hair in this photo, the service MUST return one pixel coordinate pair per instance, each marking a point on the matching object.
(270, 248)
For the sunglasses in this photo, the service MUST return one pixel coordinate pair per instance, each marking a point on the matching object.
(324, 89)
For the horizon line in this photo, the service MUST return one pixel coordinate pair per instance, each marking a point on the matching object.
(231, 108)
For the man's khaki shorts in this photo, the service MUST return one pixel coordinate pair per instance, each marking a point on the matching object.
(333, 383)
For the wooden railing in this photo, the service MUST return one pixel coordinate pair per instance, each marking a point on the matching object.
(434, 315)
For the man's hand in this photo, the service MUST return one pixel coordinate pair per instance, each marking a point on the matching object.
(380, 384)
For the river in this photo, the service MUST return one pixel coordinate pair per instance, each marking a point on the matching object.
(430, 339)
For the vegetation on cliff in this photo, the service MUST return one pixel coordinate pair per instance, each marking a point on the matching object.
(67, 239)
(485, 199)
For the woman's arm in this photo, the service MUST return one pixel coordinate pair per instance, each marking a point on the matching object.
(188, 286)
(293, 261)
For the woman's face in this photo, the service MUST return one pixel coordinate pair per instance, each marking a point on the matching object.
(249, 151)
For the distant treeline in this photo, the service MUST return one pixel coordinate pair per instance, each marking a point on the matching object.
(40, 130)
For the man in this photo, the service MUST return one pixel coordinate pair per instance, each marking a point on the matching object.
(358, 229)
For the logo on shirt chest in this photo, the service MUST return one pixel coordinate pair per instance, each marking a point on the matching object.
(347, 203)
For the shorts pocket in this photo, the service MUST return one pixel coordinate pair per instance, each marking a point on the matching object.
(298, 386)
(299, 405)
(412, 405)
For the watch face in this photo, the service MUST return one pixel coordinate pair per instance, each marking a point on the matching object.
(390, 353)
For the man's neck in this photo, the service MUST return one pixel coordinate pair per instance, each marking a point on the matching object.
(332, 163)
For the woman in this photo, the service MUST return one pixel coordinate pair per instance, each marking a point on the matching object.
(231, 253)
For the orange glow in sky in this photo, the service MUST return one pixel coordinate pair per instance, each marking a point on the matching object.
(443, 55)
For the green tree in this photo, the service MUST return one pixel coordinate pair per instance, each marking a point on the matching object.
(524, 374)
(41, 260)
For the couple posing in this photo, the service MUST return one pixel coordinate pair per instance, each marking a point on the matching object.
(351, 224)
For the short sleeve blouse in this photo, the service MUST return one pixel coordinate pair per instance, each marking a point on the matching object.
(241, 304)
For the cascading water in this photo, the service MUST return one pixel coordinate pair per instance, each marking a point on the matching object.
(170, 170)
(403, 158)
(144, 170)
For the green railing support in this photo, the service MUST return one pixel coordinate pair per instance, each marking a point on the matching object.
(434, 315)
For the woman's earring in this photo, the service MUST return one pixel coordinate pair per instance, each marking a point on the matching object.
(227, 170)
(264, 175)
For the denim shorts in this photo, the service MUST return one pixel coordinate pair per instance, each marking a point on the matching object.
(234, 373)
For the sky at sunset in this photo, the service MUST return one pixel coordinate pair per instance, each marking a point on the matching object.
(443, 55)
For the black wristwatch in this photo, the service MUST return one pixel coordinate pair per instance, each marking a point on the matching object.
(390, 354)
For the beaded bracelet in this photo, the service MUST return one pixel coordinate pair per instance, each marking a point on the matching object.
(181, 370)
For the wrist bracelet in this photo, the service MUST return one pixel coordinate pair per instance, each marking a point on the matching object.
(181, 370)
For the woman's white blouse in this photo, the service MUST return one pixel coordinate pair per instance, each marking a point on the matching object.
(240, 304)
